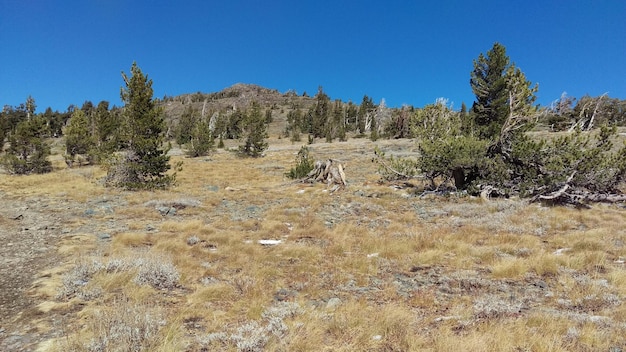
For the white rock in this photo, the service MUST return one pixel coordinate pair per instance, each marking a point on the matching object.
(561, 250)
(333, 302)
(270, 242)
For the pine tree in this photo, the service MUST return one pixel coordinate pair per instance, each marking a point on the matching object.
(78, 139)
(186, 125)
(201, 141)
(28, 151)
(146, 162)
(488, 82)
(364, 115)
(294, 125)
(304, 164)
(255, 128)
(320, 114)
(107, 132)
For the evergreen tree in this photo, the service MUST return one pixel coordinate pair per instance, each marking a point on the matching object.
(108, 134)
(4, 125)
(320, 114)
(186, 125)
(294, 124)
(304, 164)
(467, 124)
(339, 121)
(30, 107)
(78, 139)
(351, 116)
(488, 82)
(146, 162)
(27, 152)
(255, 128)
(365, 113)
(201, 142)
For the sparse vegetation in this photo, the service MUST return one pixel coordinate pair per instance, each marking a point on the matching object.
(304, 164)
(237, 258)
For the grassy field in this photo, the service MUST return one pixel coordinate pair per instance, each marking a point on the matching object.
(367, 268)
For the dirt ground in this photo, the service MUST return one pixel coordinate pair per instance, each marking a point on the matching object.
(30, 231)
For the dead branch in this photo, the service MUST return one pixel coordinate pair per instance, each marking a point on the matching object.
(595, 111)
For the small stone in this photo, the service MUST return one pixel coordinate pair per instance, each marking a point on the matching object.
(377, 337)
(167, 210)
(333, 303)
(104, 236)
(284, 294)
(269, 242)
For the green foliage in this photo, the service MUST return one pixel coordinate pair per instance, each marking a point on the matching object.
(107, 129)
(335, 124)
(489, 84)
(365, 113)
(78, 139)
(459, 157)
(489, 149)
(255, 127)
(295, 124)
(201, 142)
(304, 164)
(399, 126)
(186, 124)
(393, 168)
(27, 152)
(320, 114)
(4, 124)
(55, 121)
(351, 117)
(146, 162)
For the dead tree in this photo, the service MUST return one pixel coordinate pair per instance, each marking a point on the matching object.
(330, 171)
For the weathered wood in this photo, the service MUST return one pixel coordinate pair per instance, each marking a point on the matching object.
(329, 171)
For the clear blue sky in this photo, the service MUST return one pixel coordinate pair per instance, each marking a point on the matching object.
(408, 52)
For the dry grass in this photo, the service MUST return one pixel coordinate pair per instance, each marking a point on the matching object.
(366, 268)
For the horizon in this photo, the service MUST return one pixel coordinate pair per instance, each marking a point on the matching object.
(403, 52)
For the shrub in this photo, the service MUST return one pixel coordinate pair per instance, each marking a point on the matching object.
(304, 164)
(159, 274)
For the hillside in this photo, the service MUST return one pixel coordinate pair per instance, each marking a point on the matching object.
(238, 96)
(370, 267)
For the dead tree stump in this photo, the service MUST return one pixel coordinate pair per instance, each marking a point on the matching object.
(330, 171)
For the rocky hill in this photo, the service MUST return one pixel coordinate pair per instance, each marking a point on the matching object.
(238, 96)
